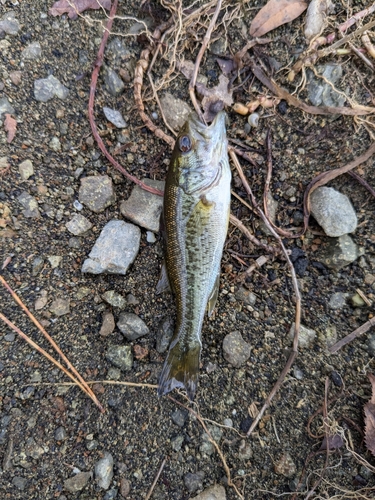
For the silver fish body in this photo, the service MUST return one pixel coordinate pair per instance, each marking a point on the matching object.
(195, 223)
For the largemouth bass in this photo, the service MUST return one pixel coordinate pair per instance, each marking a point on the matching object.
(194, 225)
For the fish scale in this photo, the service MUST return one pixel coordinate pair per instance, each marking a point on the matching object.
(195, 221)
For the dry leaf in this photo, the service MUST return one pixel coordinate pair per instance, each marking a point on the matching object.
(370, 418)
(215, 98)
(274, 14)
(10, 126)
(332, 443)
(75, 7)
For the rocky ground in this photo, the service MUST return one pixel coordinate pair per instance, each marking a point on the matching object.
(80, 246)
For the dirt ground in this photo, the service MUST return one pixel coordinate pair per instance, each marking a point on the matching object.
(137, 427)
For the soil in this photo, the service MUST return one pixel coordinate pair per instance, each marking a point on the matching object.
(137, 428)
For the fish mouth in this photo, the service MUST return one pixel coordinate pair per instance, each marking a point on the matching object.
(215, 131)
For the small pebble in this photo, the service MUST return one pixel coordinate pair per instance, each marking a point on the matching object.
(26, 169)
(104, 471)
(77, 205)
(77, 482)
(194, 481)
(114, 299)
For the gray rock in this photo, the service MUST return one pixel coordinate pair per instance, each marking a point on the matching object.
(108, 324)
(216, 492)
(245, 296)
(340, 252)
(144, 208)
(32, 51)
(120, 356)
(10, 337)
(78, 225)
(77, 205)
(321, 92)
(150, 237)
(114, 374)
(176, 111)
(77, 482)
(96, 192)
(26, 169)
(298, 373)
(337, 300)
(19, 482)
(114, 299)
(176, 442)
(33, 449)
(132, 326)
(124, 487)
(9, 24)
(115, 249)
(117, 49)
(59, 307)
(16, 77)
(37, 266)
(194, 481)
(60, 434)
(74, 242)
(306, 336)
(179, 417)
(30, 205)
(47, 88)
(55, 144)
(113, 82)
(5, 107)
(54, 260)
(104, 471)
(42, 300)
(115, 117)
(164, 334)
(333, 211)
(235, 350)
(245, 451)
(111, 494)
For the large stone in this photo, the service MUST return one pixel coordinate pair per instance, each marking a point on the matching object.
(120, 356)
(5, 107)
(333, 211)
(144, 208)
(216, 492)
(115, 249)
(339, 252)
(306, 336)
(47, 88)
(104, 471)
(77, 482)
(26, 169)
(176, 111)
(78, 225)
(235, 350)
(132, 326)
(30, 205)
(9, 24)
(96, 192)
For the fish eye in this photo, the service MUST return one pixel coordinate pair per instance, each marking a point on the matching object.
(184, 144)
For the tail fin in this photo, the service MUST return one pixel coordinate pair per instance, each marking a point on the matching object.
(180, 369)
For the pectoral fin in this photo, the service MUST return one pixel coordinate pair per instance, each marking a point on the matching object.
(163, 283)
(213, 297)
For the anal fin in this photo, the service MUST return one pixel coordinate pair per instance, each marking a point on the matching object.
(213, 296)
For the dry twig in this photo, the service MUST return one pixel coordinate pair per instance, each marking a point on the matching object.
(94, 79)
(293, 354)
(81, 382)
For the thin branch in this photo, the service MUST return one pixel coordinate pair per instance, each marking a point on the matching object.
(356, 333)
(156, 479)
(88, 390)
(293, 354)
(204, 45)
(94, 79)
(50, 358)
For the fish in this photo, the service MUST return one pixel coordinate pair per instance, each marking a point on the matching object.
(194, 225)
